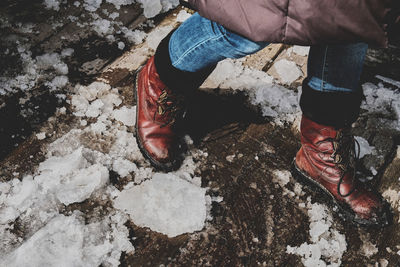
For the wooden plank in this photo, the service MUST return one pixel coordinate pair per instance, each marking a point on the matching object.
(72, 32)
(263, 60)
(46, 22)
(137, 55)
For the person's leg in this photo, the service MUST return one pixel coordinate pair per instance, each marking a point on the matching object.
(330, 102)
(336, 68)
(186, 57)
(199, 43)
(182, 62)
(333, 81)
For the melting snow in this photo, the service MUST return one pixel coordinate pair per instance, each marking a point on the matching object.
(365, 148)
(125, 115)
(385, 101)
(154, 7)
(76, 169)
(41, 136)
(288, 71)
(69, 241)
(301, 50)
(155, 37)
(52, 4)
(328, 245)
(273, 99)
(282, 177)
(165, 204)
(182, 16)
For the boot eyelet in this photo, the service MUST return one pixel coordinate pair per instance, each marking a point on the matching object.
(160, 110)
(335, 145)
(338, 159)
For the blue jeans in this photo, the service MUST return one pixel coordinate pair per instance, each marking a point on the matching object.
(199, 43)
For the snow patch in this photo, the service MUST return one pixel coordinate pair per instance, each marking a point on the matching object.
(125, 115)
(182, 16)
(281, 177)
(393, 197)
(288, 71)
(41, 136)
(166, 204)
(69, 241)
(384, 101)
(301, 50)
(119, 3)
(328, 245)
(52, 4)
(273, 99)
(365, 148)
(155, 37)
(92, 5)
(154, 7)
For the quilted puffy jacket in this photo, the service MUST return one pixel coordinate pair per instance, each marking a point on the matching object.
(305, 22)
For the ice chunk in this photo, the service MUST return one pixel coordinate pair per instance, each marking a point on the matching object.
(155, 7)
(69, 241)
(301, 50)
(80, 184)
(275, 100)
(384, 101)
(365, 148)
(58, 82)
(134, 36)
(94, 109)
(63, 165)
(52, 4)
(123, 167)
(17, 199)
(92, 5)
(102, 27)
(119, 3)
(165, 204)
(281, 177)
(327, 246)
(155, 37)
(125, 115)
(288, 71)
(52, 61)
(41, 136)
(121, 45)
(67, 52)
(182, 16)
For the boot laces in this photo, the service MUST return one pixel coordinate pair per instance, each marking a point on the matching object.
(169, 105)
(346, 152)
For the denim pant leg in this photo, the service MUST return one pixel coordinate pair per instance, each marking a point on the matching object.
(331, 93)
(199, 43)
(336, 68)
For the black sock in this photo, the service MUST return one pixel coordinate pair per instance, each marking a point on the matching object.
(177, 80)
(336, 109)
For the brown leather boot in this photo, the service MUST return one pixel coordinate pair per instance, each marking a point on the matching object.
(161, 91)
(326, 161)
(157, 111)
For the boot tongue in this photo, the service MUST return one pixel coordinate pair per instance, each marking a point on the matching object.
(344, 148)
(345, 157)
(169, 108)
(155, 87)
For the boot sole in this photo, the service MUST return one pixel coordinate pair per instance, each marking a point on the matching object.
(160, 166)
(344, 212)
